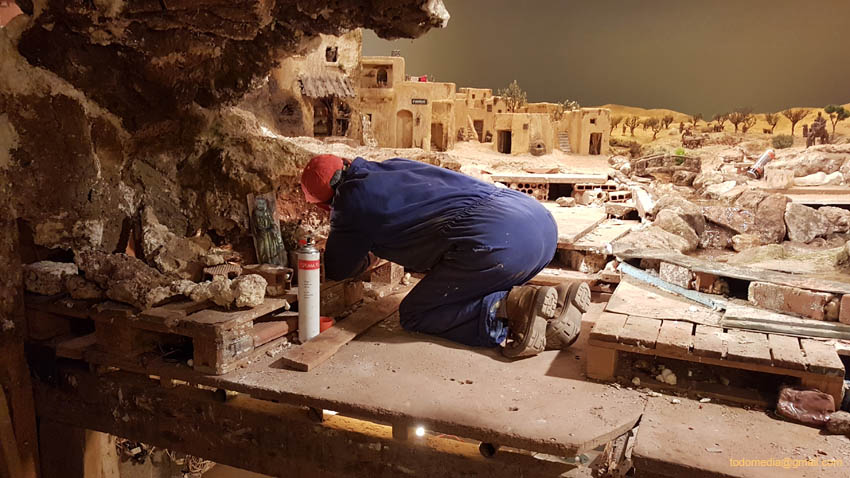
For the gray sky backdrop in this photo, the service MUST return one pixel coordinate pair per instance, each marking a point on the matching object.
(704, 56)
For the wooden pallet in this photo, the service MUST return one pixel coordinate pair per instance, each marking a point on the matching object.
(220, 339)
(815, 363)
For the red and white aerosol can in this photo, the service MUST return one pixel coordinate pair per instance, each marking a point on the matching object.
(756, 171)
(308, 289)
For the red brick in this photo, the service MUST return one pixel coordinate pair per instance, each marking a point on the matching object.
(790, 300)
(844, 312)
(388, 273)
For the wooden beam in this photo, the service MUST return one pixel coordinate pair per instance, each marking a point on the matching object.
(310, 355)
(262, 436)
(10, 459)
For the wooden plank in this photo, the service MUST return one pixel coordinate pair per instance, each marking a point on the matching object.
(675, 338)
(74, 348)
(10, 458)
(606, 232)
(786, 351)
(709, 342)
(821, 358)
(640, 331)
(574, 222)
(310, 355)
(753, 318)
(608, 327)
(722, 269)
(633, 298)
(601, 363)
(748, 346)
(563, 178)
(232, 318)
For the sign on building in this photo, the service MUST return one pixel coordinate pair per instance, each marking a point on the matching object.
(419, 101)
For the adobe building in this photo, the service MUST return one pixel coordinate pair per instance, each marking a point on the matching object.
(588, 130)
(313, 94)
(405, 114)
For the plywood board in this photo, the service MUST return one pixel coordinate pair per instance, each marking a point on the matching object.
(643, 300)
(574, 222)
(701, 440)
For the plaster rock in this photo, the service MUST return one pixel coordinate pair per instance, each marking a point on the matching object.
(684, 178)
(689, 211)
(249, 290)
(707, 178)
(170, 253)
(820, 178)
(652, 237)
(674, 223)
(742, 242)
(716, 191)
(47, 277)
(125, 279)
(83, 289)
(838, 217)
(739, 220)
(770, 218)
(805, 223)
(839, 423)
(566, 201)
(750, 199)
(716, 237)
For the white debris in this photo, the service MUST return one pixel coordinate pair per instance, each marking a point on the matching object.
(675, 401)
(636, 381)
(667, 376)
(704, 400)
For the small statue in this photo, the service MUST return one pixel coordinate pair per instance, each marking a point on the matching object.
(818, 130)
(267, 239)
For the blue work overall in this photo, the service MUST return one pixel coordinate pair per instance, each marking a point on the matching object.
(473, 240)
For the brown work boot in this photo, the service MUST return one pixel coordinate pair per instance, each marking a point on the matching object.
(573, 301)
(528, 309)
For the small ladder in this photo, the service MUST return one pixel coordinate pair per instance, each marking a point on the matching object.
(564, 142)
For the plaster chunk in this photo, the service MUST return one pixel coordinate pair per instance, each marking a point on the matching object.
(47, 277)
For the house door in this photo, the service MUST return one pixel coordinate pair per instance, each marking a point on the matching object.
(595, 143)
(504, 143)
(323, 117)
(438, 137)
(479, 129)
(404, 129)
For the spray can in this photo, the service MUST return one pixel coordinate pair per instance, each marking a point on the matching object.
(756, 171)
(308, 289)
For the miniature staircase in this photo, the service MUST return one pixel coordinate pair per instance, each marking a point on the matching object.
(564, 142)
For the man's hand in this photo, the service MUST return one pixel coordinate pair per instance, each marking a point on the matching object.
(367, 273)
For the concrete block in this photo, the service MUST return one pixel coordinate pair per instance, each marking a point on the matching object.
(675, 274)
(388, 273)
(791, 300)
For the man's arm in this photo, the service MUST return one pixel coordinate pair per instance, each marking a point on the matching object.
(347, 252)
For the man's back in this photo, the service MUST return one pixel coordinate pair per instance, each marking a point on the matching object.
(401, 208)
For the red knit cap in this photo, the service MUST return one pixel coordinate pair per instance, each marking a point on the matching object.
(316, 178)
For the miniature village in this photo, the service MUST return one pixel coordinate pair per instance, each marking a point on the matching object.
(154, 236)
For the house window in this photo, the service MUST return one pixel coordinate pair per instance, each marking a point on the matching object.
(473, 96)
(370, 116)
(489, 108)
(593, 121)
(331, 54)
(382, 77)
(525, 126)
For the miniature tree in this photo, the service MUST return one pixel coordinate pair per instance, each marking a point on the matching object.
(514, 96)
(563, 107)
(696, 118)
(666, 121)
(632, 122)
(655, 125)
(720, 119)
(795, 116)
(836, 113)
(616, 120)
(748, 123)
(739, 116)
(772, 119)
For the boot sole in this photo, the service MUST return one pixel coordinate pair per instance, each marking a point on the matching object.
(545, 305)
(558, 333)
(547, 302)
(579, 295)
